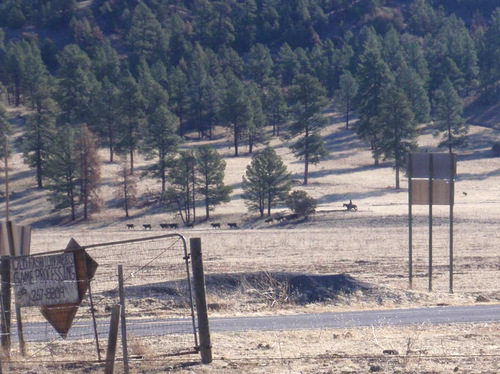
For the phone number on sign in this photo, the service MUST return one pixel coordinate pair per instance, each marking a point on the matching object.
(50, 293)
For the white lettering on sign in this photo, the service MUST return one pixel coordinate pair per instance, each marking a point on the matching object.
(44, 280)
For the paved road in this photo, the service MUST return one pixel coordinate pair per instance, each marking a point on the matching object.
(378, 318)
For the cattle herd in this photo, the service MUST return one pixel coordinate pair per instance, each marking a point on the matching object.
(233, 225)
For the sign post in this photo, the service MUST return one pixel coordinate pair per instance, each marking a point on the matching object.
(431, 181)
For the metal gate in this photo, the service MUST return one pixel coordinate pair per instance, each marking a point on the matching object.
(160, 317)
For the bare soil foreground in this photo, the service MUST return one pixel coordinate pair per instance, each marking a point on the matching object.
(332, 261)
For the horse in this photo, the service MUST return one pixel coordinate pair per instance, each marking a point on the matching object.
(351, 206)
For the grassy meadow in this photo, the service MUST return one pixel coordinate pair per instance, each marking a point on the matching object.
(370, 245)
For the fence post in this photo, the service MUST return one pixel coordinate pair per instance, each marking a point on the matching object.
(201, 302)
(126, 369)
(112, 339)
(6, 300)
(19, 321)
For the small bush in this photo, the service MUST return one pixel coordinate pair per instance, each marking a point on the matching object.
(496, 149)
(301, 203)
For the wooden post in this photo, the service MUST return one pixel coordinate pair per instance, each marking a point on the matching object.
(6, 300)
(19, 321)
(126, 369)
(201, 302)
(94, 322)
(112, 340)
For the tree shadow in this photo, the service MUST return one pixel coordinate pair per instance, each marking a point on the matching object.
(345, 197)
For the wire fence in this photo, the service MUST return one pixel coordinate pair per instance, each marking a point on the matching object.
(160, 319)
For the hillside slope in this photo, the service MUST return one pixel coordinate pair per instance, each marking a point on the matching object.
(346, 173)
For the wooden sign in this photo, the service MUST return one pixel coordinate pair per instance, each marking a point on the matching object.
(44, 280)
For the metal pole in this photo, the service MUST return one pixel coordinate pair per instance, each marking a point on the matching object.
(452, 202)
(410, 221)
(431, 177)
(201, 302)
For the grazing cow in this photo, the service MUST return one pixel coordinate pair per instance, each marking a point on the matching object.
(189, 225)
(279, 219)
(269, 220)
(215, 225)
(173, 226)
(232, 225)
(163, 225)
(147, 226)
(130, 226)
(351, 206)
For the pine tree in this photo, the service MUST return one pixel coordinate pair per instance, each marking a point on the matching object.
(5, 131)
(105, 120)
(63, 172)
(39, 135)
(308, 98)
(131, 116)
(178, 94)
(182, 193)
(346, 94)
(76, 85)
(448, 110)
(235, 110)
(198, 82)
(259, 65)
(397, 128)
(276, 108)
(143, 37)
(287, 64)
(160, 141)
(256, 132)
(14, 69)
(89, 170)
(266, 182)
(413, 87)
(210, 167)
(126, 188)
(373, 75)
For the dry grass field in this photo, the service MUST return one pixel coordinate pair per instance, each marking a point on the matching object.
(370, 245)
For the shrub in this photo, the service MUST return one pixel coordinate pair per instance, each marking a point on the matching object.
(301, 203)
(496, 149)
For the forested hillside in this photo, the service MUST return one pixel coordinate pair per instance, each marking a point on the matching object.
(141, 76)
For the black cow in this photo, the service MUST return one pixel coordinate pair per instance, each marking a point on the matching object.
(215, 225)
(232, 225)
(163, 225)
(147, 226)
(269, 220)
(130, 226)
(173, 226)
